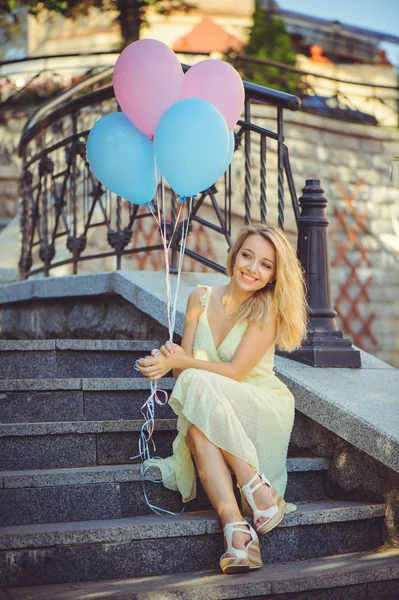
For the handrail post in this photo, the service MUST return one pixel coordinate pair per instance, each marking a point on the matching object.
(324, 345)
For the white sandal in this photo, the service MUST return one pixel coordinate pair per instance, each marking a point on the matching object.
(244, 560)
(274, 514)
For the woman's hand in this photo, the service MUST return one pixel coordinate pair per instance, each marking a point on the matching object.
(155, 367)
(167, 349)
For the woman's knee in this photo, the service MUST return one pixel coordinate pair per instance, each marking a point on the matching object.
(195, 438)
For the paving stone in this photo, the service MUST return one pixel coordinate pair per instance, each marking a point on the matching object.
(27, 365)
(306, 486)
(55, 504)
(119, 448)
(38, 406)
(90, 364)
(133, 502)
(107, 405)
(302, 542)
(383, 590)
(47, 452)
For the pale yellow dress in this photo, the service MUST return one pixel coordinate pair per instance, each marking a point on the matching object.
(251, 419)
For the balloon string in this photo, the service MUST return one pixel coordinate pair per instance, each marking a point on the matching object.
(148, 408)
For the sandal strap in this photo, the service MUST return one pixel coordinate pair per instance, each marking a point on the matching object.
(228, 531)
(249, 482)
(247, 487)
(249, 491)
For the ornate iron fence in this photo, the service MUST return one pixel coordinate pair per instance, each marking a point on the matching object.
(62, 201)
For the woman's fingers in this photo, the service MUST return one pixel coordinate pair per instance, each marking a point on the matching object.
(177, 348)
(154, 352)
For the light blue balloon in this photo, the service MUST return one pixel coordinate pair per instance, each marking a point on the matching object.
(230, 152)
(191, 143)
(122, 158)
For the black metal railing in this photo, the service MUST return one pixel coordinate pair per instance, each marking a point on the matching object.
(61, 200)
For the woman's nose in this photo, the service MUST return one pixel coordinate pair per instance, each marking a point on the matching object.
(252, 267)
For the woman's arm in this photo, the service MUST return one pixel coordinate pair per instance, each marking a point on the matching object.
(191, 318)
(251, 349)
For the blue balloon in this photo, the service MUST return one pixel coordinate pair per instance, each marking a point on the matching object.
(191, 143)
(230, 152)
(122, 158)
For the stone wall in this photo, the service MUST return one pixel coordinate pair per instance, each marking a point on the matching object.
(352, 162)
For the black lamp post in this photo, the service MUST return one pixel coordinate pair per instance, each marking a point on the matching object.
(324, 345)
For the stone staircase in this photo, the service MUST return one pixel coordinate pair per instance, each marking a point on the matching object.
(73, 521)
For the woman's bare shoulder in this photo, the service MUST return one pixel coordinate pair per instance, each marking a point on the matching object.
(197, 293)
(194, 304)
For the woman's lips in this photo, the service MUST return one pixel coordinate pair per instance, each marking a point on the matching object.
(248, 278)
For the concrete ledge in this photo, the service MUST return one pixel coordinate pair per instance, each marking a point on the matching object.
(357, 405)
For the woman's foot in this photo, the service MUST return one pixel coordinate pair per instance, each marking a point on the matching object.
(263, 499)
(268, 507)
(240, 539)
(240, 560)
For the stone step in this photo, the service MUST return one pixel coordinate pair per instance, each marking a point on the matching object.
(357, 575)
(111, 492)
(31, 359)
(150, 545)
(77, 443)
(91, 399)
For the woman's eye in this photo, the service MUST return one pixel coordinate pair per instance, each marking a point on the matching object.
(266, 265)
(245, 255)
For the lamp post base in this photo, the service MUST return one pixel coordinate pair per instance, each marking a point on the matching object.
(325, 349)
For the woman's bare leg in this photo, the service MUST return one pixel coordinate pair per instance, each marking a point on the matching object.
(244, 473)
(216, 480)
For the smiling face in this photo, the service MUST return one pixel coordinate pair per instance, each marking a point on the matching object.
(255, 264)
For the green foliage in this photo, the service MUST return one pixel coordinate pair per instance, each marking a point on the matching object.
(131, 13)
(270, 41)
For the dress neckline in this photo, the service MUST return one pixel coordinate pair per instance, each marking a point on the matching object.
(205, 313)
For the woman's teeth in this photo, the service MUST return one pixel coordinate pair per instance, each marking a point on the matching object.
(247, 278)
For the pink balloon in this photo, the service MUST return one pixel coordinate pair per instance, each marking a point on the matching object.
(219, 83)
(147, 79)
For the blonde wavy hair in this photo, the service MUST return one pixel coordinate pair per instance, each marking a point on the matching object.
(286, 297)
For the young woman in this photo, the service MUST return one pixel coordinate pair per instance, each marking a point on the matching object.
(233, 412)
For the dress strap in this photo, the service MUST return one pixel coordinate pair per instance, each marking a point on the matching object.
(205, 298)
